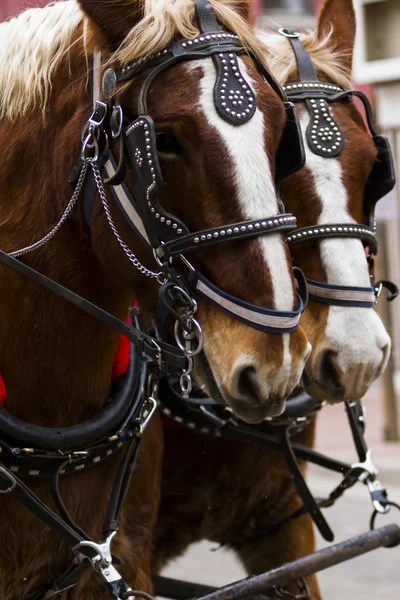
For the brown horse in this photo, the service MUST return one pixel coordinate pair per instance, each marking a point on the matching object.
(56, 361)
(221, 490)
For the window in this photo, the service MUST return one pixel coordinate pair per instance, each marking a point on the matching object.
(292, 6)
(377, 55)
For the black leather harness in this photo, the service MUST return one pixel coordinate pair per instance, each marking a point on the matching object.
(204, 416)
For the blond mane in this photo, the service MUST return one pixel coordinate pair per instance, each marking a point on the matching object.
(31, 47)
(282, 62)
(33, 44)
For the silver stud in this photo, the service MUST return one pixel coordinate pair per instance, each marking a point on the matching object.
(179, 231)
(203, 237)
(216, 234)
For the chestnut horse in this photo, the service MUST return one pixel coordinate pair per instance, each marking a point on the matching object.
(222, 490)
(56, 361)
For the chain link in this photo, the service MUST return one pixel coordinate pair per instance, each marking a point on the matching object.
(61, 222)
(136, 263)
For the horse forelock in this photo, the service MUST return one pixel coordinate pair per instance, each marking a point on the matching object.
(31, 47)
(33, 44)
(282, 61)
(163, 20)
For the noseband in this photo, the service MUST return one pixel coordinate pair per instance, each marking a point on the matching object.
(325, 138)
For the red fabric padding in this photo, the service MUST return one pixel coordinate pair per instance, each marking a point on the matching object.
(119, 367)
(121, 358)
(3, 392)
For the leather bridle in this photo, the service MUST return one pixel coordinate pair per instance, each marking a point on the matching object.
(325, 138)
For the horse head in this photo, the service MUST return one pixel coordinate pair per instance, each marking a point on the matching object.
(216, 140)
(338, 186)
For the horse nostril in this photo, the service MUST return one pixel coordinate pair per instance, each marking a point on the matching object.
(248, 384)
(329, 373)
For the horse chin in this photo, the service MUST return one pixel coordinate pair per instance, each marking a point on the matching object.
(327, 392)
(255, 413)
(250, 413)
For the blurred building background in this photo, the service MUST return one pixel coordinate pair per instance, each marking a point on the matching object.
(377, 73)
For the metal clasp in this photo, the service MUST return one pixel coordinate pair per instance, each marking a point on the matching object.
(378, 496)
(102, 560)
(5, 473)
(148, 409)
(367, 468)
(91, 132)
(369, 477)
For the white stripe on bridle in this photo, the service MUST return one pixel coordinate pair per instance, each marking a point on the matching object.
(273, 321)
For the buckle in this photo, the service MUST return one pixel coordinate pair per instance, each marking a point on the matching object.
(7, 475)
(98, 115)
(288, 32)
(99, 555)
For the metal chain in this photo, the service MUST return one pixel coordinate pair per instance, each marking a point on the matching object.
(62, 220)
(141, 268)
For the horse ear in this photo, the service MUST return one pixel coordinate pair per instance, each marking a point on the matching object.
(338, 19)
(245, 9)
(113, 18)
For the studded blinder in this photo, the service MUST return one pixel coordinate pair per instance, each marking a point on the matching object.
(140, 141)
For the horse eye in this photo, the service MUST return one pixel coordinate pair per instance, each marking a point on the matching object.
(168, 144)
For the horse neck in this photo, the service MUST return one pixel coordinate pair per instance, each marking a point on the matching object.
(55, 360)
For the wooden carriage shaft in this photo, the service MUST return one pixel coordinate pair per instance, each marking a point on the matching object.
(308, 565)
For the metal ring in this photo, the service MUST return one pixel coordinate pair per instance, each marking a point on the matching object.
(117, 110)
(186, 262)
(89, 146)
(185, 382)
(191, 301)
(162, 279)
(198, 335)
(375, 513)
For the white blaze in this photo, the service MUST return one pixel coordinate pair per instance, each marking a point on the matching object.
(253, 178)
